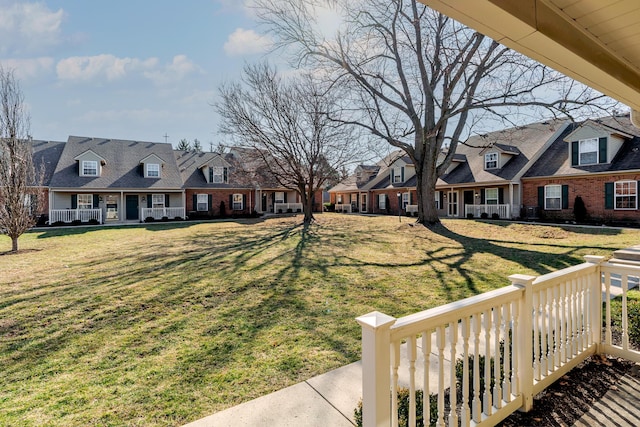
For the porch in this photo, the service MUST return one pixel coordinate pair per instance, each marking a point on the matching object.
(454, 350)
(344, 208)
(71, 215)
(159, 213)
(502, 210)
(287, 207)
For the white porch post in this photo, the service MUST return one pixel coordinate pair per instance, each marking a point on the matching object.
(122, 211)
(523, 348)
(376, 363)
(595, 302)
(513, 209)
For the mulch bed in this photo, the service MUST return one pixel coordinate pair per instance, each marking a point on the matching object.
(566, 400)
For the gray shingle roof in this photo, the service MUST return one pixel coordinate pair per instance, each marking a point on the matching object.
(47, 154)
(190, 162)
(122, 169)
(556, 162)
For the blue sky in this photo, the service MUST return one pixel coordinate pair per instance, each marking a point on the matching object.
(129, 69)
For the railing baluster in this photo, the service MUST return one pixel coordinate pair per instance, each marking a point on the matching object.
(453, 341)
(426, 353)
(411, 347)
(556, 338)
(395, 363)
(544, 331)
(536, 335)
(625, 325)
(476, 406)
(515, 338)
(497, 392)
(607, 286)
(440, 339)
(506, 383)
(465, 414)
(487, 404)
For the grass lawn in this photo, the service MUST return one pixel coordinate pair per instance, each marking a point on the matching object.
(162, 324)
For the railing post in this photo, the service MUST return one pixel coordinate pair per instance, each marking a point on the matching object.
(595, 302)
(376, 362)
(523, 348)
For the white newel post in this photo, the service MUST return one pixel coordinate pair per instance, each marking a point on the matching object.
(595, 301)
(523, 349)
(376, 362)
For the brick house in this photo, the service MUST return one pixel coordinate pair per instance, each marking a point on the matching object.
(596, 160)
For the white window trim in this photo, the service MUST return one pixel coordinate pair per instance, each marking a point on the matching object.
(597, 151)
(488, 159)
(202, 199)
(405, 200)
(616, 196)
(157, 201)
(217, 175)
(235, 202)
(438, 207)
(279, 197)
(382, 201)
(85, 201)
(84, 168)
(559, 197)
(397, 175)
(487, 198)
(152, 168)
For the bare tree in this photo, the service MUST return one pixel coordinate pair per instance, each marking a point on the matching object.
(20, 186)
(286, 125)
(419, 80)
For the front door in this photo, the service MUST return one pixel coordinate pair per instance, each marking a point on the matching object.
(264, 202)
(363, 203)
(452, 202)
(467, 197)
(132, 207)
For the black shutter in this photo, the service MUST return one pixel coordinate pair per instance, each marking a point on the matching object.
(74, 201)
(500, 196)
(410, 198)
(210, 175)
(231, 201)
(386, 200)
(602, 150)
(209, 202)
(149, 201)
(541, 197)
(608, 195)
(285, 197)
(482, 196)
(166, 200)
(442, 200)
(244, 201)
(195, 202)
(273, 198)
(565, 197)
(225, 177)
(574, 153)
(377, 201)
(402, 174)
(96, 201)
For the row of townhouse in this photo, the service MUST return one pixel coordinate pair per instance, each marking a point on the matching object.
(108, 180)
(533, 171)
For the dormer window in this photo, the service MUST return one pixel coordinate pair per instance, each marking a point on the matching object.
(218, 175)
(491, 161)
(89, 168)
(397, 175)
(588, 151)
(153, 170)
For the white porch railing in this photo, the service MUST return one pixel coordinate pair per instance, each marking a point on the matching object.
(70, 215)
(509, 344)
(284, 207)
(411, 208)
(343, 207)
(503, 211)
(159, 213)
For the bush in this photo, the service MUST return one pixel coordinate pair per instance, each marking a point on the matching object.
(484, 215)
(76, 222)
(149, 219)
(178, 218)
(403, 409)
(299, 210)
(165, 219)
(58, 224)
(329, 207)
(94, 221)
(279, 210)
(495, 216)
(579, 209)
(469, 215)
(289, 210)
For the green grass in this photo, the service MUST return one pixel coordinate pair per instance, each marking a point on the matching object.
(163, 324)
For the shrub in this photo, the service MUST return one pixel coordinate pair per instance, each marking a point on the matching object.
(165, 219)
(484, 215)
(94, 221)
(58, 224)
(289, 210)
(403, 409)
(149, 219)
(469, 215)
(178, 218)
(279, 210)
(329, 207)
(299, 210)
(76, 222)
(495, 216)
(579, 209)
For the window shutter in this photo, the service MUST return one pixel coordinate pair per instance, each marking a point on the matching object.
(74, 201)
(96, 201)
(285, 197)
(209, 202)
(231, 201)
(391, 175)
(541, 197)
(166, 200)
(402, 174)
(442, 200)
(244, 201)
(225, 178)
(195, 202)
(500, 196)
(565, 197)
(482, 196)
(210, 174)
(602, 150)
(386, 200)
(574, 153)
(377, 201)
(273, 198)
(149, 201)
(608, 195)
(410, 198)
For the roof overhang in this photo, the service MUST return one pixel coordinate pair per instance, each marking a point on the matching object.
(595, 43)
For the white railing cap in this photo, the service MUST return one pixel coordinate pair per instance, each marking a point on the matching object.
(375, 320)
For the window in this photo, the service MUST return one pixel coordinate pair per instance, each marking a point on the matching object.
(153, 170)
(438, 207)
(217, 175)
(354, 198)
(203, 202)
(588, 151)
(491, 196)
(89, 168)
(553, 197)
(279, 197)
(338, 198)
(85, 201)
(157, 200)
(405, 200)
(237, 202)
(626, 195)
(382, 201)
(491, 161)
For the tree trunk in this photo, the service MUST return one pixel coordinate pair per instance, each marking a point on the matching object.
(14, 244)
(307, 207)
(426, 190)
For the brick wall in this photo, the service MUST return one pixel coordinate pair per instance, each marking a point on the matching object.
(221, 195)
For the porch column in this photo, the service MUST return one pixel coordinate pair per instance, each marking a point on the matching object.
(122, 207)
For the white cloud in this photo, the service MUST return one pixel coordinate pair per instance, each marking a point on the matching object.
(28, 27)
(29, 68)
(246, 42)
(179, 68)
(99, 67)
